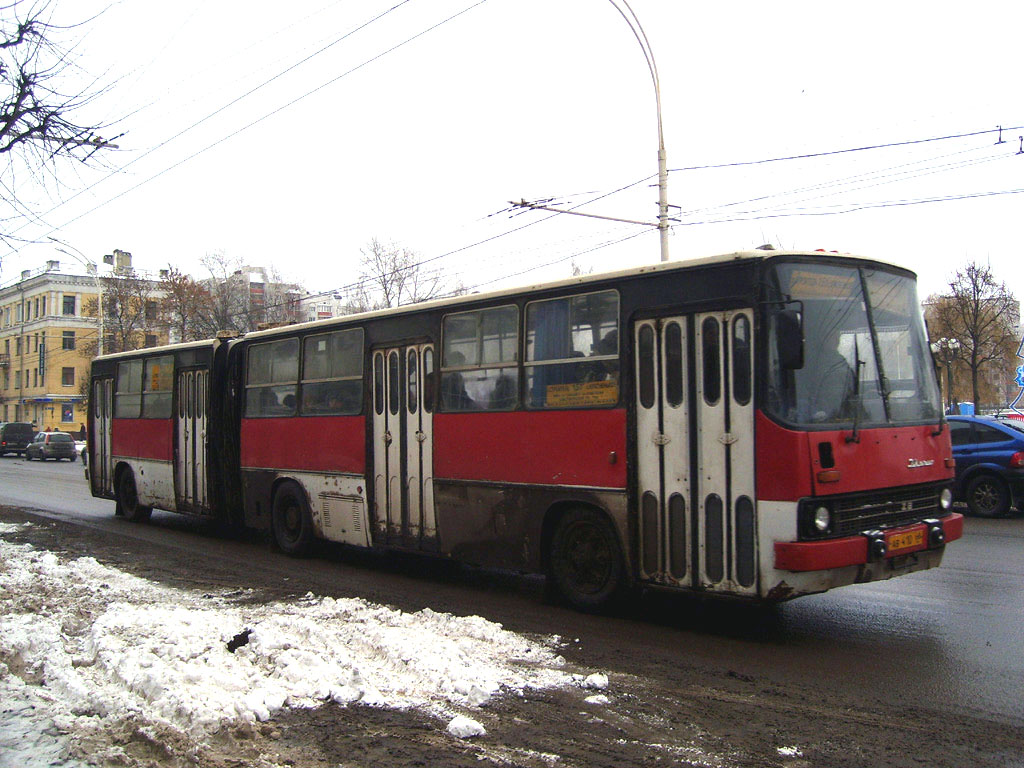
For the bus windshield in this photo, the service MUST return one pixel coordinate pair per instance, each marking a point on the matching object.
(865, 352)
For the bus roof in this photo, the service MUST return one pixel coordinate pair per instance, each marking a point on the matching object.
(454, 301)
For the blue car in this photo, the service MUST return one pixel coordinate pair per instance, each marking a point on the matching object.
(989, 457)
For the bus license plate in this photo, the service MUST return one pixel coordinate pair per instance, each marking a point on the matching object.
(900, 542)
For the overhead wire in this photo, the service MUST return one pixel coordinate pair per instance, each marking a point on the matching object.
(221, 109)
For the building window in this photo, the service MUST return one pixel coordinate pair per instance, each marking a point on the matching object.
(35, 377)
(69, 305)
(67, 376)
(151, 340)
(152, 309)
(44, 306)
(67, 412)
(17, 345)
(69, 340)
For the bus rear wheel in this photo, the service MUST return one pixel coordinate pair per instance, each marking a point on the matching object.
(128, 499)
(585, 562)
(291, 521)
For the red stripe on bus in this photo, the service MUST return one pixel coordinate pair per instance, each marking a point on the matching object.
(537, 447)
(314, 443)
(142, 438)
(851, 550)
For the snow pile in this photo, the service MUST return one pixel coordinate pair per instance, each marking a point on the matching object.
(463, 727)
(99, 642)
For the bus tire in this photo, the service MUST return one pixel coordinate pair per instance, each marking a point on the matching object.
(585, 561)
(291, 521)
(988, 496)
(128, 499)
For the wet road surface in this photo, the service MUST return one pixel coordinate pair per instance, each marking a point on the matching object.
(949, 640)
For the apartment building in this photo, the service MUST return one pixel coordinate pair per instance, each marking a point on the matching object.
(49, 332)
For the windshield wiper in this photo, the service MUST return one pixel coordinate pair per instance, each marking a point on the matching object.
(859, 364)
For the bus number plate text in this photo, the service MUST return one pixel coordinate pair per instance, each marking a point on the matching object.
(900, 542)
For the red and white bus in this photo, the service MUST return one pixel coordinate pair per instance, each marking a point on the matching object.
(762, 425)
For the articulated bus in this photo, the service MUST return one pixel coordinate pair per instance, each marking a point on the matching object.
(761, 425)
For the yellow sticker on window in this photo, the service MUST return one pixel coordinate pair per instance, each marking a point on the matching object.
(587, 395)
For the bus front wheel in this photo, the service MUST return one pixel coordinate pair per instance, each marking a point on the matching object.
(128, 499)
(585, 562)
(293, 527)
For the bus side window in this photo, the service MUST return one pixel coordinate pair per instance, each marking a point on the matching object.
(572, 351)
(272, 373)
(480, 360)
(332, 373)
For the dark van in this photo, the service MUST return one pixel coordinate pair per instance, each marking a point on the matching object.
(15, 437)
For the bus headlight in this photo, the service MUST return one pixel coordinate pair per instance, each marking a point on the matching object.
(946, 499)
(822, 519)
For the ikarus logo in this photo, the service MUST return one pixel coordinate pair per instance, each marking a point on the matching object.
(917, 463)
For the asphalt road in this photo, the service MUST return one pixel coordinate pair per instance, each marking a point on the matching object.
(947, 642)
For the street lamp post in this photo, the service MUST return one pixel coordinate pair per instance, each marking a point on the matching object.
(93, 269)
(947, 351)
(641, 37)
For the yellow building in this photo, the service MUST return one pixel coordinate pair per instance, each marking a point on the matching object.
(48, 333)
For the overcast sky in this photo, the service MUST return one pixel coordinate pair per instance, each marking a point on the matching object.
(292, 134)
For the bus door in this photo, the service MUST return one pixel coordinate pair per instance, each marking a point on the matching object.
(663, 450)
(696, 511)
(101, 461)
(190, 461)
(403, 445)
(726, 529)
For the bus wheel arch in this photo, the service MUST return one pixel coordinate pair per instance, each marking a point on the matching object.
(583, 556)
(127, 496)
(291, 521)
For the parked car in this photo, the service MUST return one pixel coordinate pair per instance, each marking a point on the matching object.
(989, 457)
(15, 437)
(51, 445)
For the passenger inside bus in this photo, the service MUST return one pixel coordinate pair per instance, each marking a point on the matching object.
(454, 396)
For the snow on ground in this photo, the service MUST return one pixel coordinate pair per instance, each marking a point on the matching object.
(89, 644)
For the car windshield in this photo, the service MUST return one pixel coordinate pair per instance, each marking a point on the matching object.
(865, 353)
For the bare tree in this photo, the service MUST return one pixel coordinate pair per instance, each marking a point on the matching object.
(243, 298)
(131, 310)
(39, 126)
(228, 309)
(978, 315)
(185, 304)
(391, 276)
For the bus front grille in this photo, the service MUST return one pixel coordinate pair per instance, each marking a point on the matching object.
(885, 510)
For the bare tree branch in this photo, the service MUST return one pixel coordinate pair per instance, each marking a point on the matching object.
(978, 314)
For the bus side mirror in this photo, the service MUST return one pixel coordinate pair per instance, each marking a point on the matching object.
(789, 336)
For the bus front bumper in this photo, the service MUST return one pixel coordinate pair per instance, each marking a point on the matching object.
(870, 546)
